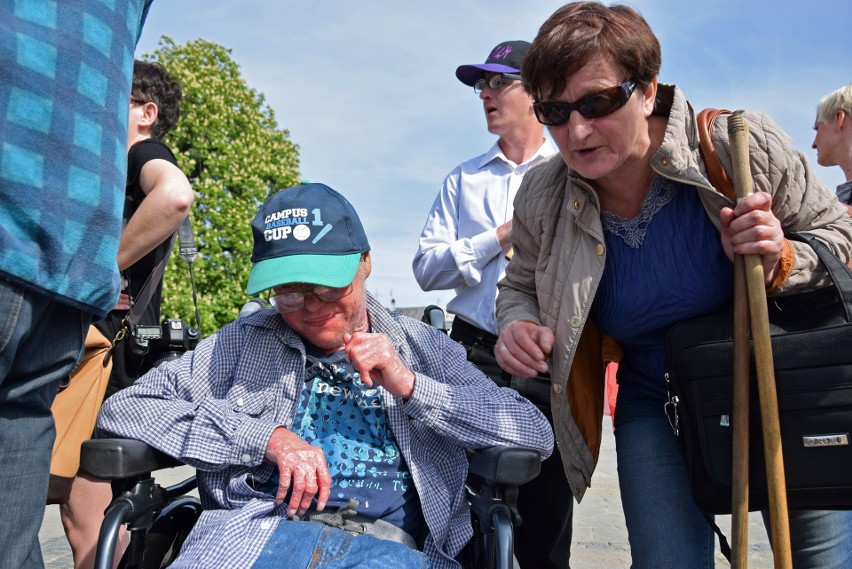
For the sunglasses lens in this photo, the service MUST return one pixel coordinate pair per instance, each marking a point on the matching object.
(551, 114)
(479, 85)
(601, 104)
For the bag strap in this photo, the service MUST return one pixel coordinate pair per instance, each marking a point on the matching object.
(840, 274)
(724, 546)
(144, 297)
(715, 172)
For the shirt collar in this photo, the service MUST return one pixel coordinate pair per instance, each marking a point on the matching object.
(495, 152)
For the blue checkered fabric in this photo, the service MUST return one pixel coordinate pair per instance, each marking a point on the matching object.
(216, 407)
(65, 73)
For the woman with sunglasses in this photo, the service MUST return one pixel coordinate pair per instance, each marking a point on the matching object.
(623, 237)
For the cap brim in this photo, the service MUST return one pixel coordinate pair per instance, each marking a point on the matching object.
(327, 270)
(468, 74)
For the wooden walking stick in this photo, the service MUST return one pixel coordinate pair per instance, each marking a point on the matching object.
(776, 482)
(740, 420)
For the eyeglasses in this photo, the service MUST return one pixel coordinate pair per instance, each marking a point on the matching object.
(293, 298)
(593, 106)
(494, 82)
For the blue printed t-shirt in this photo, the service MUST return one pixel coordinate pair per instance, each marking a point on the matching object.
(347, 419)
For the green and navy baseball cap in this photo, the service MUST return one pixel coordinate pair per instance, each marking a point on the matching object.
(306, 234)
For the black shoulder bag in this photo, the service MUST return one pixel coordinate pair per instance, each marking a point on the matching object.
(811, 338)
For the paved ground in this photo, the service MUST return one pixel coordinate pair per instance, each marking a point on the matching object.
(600, 539)
(54, 546)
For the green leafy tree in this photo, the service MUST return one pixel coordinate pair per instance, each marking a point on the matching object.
(228, 143)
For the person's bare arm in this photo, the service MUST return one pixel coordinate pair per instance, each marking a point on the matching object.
(166, 204)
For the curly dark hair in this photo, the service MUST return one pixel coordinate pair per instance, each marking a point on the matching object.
(584, 32)
(152, 84)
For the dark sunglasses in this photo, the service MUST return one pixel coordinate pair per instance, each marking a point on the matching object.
(593, 106)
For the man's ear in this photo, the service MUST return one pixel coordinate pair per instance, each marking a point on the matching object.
(149, 115)
(840, 118)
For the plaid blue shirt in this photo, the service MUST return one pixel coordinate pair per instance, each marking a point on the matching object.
(65, 73)
(216, 407)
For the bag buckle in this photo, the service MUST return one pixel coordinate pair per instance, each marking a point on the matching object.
(670, 408)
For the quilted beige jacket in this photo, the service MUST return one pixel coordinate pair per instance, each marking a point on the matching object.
(560, 256)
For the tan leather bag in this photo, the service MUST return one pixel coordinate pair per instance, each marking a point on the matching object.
(75, 411)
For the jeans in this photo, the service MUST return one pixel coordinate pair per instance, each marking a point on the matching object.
(41, 341)
(314, 545)
(665, 528)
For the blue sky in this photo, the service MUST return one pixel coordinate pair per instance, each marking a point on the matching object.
(368, 91)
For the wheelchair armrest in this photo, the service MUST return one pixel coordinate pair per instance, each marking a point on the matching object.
(111, 459)
(505, 466)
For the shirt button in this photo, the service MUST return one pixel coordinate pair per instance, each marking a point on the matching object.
(577, 205)
(599, 249)
(265, 524)
(557, 388)
(518, 171)
(240, 402)
(246, 458)
(665, 161)
(574, 322)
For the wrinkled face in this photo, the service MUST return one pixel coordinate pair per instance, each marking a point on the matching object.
(606, 147)
(507, 108)
(323, 324)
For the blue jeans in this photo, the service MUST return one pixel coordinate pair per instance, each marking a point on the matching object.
(312, 545)
(40, 342)
(665, 527)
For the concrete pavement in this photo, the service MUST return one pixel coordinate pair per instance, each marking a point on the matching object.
(600, 537)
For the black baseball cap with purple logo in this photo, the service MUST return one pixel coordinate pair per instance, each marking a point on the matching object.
(306, 234)
(505, 58)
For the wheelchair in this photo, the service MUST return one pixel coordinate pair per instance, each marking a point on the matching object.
(159, 519)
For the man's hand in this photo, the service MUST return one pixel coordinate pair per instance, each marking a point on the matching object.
(522, 348)
(373, 356)
(752, 228)
(305, 465)
(504, 234)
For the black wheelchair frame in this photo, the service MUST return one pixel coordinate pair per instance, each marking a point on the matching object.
(159, 519)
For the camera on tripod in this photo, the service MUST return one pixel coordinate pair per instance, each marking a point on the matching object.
(163, 343)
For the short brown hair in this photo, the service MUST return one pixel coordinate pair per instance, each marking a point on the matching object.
(583, 32)
(152, 84)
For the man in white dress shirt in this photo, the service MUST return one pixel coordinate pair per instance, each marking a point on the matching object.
(463, 247)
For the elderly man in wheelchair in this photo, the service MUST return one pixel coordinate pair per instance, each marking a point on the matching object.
(327, 432)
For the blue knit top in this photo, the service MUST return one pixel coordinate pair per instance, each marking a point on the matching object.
(665, 265)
